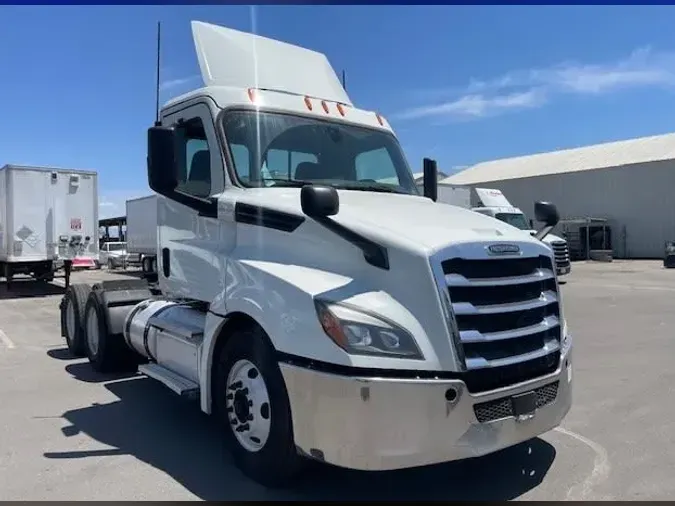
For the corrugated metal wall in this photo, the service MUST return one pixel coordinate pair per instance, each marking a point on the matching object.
(640, 197)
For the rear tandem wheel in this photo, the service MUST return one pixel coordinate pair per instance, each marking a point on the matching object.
(72, 317)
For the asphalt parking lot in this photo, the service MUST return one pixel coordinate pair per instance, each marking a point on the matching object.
(69, 434)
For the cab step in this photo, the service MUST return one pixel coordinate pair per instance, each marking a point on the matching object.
(180, 385)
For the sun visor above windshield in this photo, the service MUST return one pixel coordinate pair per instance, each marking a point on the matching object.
(243, 60)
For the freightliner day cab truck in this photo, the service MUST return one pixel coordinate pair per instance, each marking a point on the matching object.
(317, 313)
(493, 202)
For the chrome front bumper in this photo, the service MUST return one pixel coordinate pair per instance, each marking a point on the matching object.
(383, 423)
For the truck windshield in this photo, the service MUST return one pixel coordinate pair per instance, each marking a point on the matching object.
(274, 149)
(514, 219)
(117, 246)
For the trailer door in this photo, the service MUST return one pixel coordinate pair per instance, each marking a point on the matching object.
(30, 217)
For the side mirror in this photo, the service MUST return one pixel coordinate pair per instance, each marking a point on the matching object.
(546, 213)
(430, 179)
(319, 201)
(162, 160)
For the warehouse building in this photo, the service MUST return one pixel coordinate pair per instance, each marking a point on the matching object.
(623, 192)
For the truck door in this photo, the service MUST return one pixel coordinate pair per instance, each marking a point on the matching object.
(189, 259)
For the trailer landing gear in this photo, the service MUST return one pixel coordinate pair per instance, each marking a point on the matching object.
(68, 268)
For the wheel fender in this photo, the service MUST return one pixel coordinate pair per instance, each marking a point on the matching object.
(282, 306)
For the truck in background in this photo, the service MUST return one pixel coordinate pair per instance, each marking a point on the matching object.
(142, 233)
(318, 313)
(48, 221)
(493, 202)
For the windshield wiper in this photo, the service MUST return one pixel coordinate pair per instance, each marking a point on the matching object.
(343, 185)
(370, 187)
(291, 183)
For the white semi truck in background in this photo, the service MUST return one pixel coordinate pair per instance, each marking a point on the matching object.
(142, 233)
(318, 313)
(492, 202)
(48, 221)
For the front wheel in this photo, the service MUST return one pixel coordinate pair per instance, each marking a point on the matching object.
(251, 401)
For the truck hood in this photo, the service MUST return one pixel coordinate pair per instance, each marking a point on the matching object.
(409, 220)
(550, 238)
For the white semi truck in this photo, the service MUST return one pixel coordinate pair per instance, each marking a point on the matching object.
(493, 202)
(318, 313)
(48, 221)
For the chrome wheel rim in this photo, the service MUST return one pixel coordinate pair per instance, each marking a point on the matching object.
(248, 406)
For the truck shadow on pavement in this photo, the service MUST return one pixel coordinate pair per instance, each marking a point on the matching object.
(27, 288)
(173, 435)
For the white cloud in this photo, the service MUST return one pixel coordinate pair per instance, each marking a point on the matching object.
(477, 105)
(535, 87)
(171, 84)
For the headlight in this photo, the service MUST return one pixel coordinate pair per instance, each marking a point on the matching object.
(359, 333)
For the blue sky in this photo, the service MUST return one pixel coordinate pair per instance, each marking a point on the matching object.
(460, 84)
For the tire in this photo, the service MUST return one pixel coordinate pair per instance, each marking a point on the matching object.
(107, 353)
(8, 275)
(111, 265)
(276, 462)
(146, 265)
(75, 299)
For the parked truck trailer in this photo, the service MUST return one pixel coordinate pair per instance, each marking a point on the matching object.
(142, 233)
(48, 221)
(318, 313)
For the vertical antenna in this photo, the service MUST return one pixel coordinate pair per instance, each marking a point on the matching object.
(344, 80)
(157, 122)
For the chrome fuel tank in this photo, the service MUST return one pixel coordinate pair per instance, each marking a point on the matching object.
(167, 332)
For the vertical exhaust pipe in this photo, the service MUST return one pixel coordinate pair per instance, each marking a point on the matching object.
(430, 179)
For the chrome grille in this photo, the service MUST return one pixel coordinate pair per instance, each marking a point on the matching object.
(561, 253)
(499, 409)
(508, 318)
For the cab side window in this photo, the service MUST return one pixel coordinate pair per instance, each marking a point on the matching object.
(195, 171)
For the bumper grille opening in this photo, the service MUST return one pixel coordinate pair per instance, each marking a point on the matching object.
(499, 409)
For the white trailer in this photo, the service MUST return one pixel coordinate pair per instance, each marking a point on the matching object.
(454, 195)
(142, 232)
(316, 311)
(48, 220)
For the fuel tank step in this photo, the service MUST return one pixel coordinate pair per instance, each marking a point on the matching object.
(180, 385)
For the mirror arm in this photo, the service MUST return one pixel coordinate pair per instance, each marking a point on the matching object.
(544, 232)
